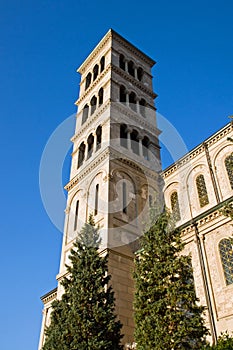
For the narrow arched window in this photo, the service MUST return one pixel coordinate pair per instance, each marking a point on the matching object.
(93, 104)
(102, 64)
(229, 168)
(81, 154)
(123, 135)
(124, 198)
(132, 101)
(85, 113)
(142, 107)
(95, 72)
(131, 68)
(90, 145)
(134, 141)
(145, 146)
(226, 254)
(140, 73)
(88, 80)
(175, 206)
(98, 137)
(202, 191)
(96, 199)
(122, 62)
(101, 96)
(76, 216)
(122, 94)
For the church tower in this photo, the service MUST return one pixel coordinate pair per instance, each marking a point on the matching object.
(115, 164)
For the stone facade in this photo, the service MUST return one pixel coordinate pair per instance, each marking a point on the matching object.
(202, 223)
(116, 175)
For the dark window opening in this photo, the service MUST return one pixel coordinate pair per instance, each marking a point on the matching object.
(76, 216)
(85, 113)
(142, 106)
(202, 191)
(150, 200)
(131, 68)
(102, 64)
(124, 198)
(101, 96)
(122, 94)
(175, 206)
(134, 141)
(95, 72)
(226, 254)
(132, 101)
(98, 137)
(88, 80)
(90, 143)
(123, 135)
(96, 199)
(122, 62)
(93, 104)
(145, 146)
(81, 154)
(229, 169)
(140, 73)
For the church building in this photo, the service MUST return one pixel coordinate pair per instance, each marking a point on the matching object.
(116, 176)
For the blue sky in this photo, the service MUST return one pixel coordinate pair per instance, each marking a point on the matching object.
(41, 45)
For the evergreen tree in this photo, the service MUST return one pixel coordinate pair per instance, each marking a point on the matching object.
(166, 312)
(84, 318)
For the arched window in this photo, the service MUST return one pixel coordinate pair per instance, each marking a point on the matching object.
(85, 113)
(132, 101)
(122, 62)
(88, 80)
(102, 64)
(95, 72)
(123, 135)
(175, 206)
(229, 168)
(226, 254)
(81, 154)
(90, 145)
(142, 106)
(93, 104)
(202, 191)
(96, 199)
(76, 216)
(98, 137)
(145, 146)
(134, 141)
(124, 198)
(140, 73)
(131, 68)
(122, 94)
(101, 96)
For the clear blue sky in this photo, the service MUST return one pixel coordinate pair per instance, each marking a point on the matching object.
(41, 45)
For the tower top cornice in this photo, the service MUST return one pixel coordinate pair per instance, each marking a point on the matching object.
(110, 36)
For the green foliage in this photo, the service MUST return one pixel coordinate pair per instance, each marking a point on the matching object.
(84, 318)
(225, 342)
(166, 312)
(228, 210)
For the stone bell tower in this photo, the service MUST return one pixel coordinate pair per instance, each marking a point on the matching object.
(115, 163)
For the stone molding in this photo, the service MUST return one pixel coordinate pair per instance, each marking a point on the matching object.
(49, 296)
(198, 150)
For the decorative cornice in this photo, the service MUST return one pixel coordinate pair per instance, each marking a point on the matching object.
(90, 120)
(85, 170)
(49, 296)
(135, 117)
(94, 52)
(132, 80)
(198, 150)
(93, 84)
